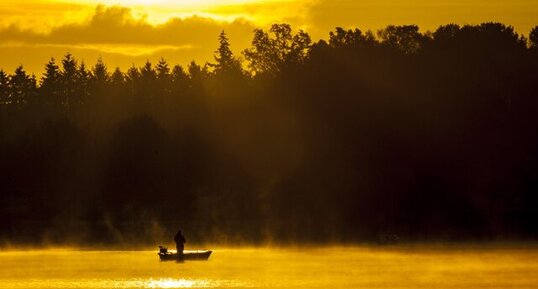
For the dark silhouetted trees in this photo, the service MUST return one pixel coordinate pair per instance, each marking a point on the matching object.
(405, 38)
(21, 87)
(4, 87)
(533, 37)
(226, 63)
(352, 38)
(270, 52)
(430, 136)
(68, 78)
(50, 83)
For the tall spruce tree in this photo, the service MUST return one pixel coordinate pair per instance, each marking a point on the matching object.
(4, 87)
(148, 81)
(226, 61)
(100, 74)
(50, 83)
(179, 77)
(132, 78)
(163, 70)
(22, 87)
(68, 79)
(83, 82)
(117, 78)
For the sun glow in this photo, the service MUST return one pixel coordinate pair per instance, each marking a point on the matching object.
(161, 11)
(173, 3)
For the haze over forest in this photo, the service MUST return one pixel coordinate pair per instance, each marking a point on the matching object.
(429, 136)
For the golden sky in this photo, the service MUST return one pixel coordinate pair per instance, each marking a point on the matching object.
(126, 32)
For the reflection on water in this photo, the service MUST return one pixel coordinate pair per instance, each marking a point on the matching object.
(97, 283)
(110, 283)
(171, 283)
(358, 267)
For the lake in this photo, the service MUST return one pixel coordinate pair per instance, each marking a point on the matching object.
(334, 267)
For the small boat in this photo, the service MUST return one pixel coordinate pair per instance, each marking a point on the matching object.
(166, 255)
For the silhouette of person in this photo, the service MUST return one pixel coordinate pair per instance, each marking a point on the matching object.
(180, 241)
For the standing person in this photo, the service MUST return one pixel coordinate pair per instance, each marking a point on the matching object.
(180, 241)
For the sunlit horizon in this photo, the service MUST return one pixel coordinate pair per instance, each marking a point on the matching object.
(268, 144)
(31, 41)
(33, 31)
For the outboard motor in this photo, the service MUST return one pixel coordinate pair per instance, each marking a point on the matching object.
(163, 250)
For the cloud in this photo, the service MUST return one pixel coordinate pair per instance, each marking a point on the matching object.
(116, 25)
(114, 33)
(124, 35)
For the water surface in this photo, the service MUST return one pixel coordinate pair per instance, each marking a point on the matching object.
(344, 267)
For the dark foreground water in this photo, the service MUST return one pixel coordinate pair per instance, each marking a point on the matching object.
(344, 267)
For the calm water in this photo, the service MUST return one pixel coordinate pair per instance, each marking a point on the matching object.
(362, 267)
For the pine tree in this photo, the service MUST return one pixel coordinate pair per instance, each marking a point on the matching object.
(195, 71)
(162, 69)
(179, 76)
(226, 62)
(4, 87)
(83, 77)
(117, 79)
(21, 87)
(100, 74)
(148, 82)
(69, 66)
(68, 78)
(50, 82)
(147, 73)
(163, 78)
(52, 74)
(132, 78)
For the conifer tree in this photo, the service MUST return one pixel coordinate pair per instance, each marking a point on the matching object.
(226, 61)
(117, 79)
(145, 87)
(162, 70)
(4, 89)
(179, 80)
(99, 79)
(21, 87)
(148, 81)
(197, 76)
(196, 72)
(179, 76)
(132, 78)
(83, 82)
(51, 76)
(68, 79)
(147, 73)
(100, 74)
(132, 74)
(163, 78)
(50, 82)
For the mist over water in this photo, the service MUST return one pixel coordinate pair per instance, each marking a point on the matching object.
(322, 267)
(390, 139)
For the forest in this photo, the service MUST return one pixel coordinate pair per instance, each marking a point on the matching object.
(428, 136)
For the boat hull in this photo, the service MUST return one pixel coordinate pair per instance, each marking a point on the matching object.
(187, 255)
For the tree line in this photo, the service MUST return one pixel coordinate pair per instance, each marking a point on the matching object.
(425, 135)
